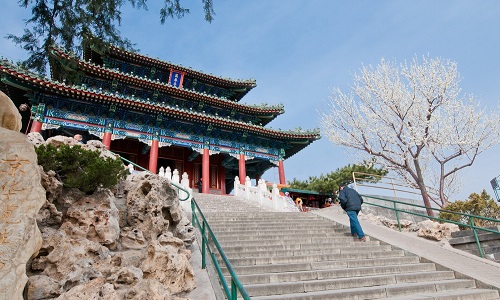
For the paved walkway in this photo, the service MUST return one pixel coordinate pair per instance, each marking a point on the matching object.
(478, 268)
(204, 289)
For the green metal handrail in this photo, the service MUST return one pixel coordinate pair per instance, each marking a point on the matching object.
(236, 286)
(469, 217)
(179, 187)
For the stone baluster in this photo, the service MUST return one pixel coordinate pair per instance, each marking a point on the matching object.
(236, 187)
(275, 196)
(261, 186)
(168, 173)
(175, 177)
(161, 173)
(248, 185)
(184, 184)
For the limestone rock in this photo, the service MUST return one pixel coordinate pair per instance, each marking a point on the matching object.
(436, 231)
(96, 289)
(53, 187)
(60, 140)
(153, 206)
(36, 138)
(94, 217)
(21, 198)
(10, 118)
(126, 276)
(149, 289)
(168, 263)
(132, 238)
(49, 215)
(62, 257)
(92, 145)
(129, 243)
(406, 225)
(42, 287)
(96, 145)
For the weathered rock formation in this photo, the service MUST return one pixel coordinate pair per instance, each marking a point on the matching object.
(10, 118)
(427, 229)
(436, 231)
(21, 196)
(129, 243)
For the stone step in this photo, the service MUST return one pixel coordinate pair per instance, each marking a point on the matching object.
(305, 239)
(252, 261)
(269, 220)
(302, 252)
(358, 273)
(272, 223)
(392, 285)
(303, 256)
(275, 227)
(251, 247)
(465, 294)
(283, 233)
(334, 264)
(456, 288)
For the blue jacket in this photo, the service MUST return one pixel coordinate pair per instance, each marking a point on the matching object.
(350, 199)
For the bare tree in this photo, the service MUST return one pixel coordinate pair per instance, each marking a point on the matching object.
(413, 119)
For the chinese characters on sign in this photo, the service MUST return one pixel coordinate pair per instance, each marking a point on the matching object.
(11, 192)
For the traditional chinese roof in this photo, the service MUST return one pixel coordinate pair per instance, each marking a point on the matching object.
(264, 113)
(241, 87)
(20, 79)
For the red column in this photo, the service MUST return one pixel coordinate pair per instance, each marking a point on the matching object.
(205, 171)
(153, 157)
(243, 171)
(106, 139)
(36, 126)
(281, 172)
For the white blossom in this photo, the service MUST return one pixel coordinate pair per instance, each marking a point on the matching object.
(413, 119)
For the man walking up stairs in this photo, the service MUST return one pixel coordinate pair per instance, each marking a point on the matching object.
(305, 256)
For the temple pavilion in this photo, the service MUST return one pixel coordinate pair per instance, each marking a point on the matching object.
(156, 114)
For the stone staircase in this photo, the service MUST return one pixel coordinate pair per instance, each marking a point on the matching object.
(304, 256)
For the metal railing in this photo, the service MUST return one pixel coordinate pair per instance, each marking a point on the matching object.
(236, 286)
(179, 187)
(386, 183)
(470, 224)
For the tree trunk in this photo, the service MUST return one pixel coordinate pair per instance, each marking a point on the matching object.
(425, 197)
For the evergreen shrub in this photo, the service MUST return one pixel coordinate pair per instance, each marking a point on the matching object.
(80, 168)
(477, 204)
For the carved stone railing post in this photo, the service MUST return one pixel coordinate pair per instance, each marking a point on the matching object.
(168, 173)
(275, 196)
(175, 177)
(185, 184)
(248, 185)
(236, 187)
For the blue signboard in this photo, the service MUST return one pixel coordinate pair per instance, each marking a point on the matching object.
(175, 78)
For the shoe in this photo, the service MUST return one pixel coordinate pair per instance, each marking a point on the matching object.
(363, 239)
(354, 235)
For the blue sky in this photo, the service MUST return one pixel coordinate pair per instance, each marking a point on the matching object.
(299, 50)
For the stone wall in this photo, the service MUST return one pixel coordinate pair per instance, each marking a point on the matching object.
(490, 242)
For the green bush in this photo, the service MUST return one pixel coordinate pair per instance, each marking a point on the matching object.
(477, 204)
(80, 168)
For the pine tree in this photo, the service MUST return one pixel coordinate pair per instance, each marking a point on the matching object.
(69, 22)
(330, 182)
